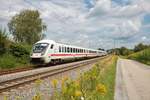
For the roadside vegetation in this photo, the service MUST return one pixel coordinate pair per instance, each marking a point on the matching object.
(141, 53)
(141, 56)
(25, 29)
(95, 84)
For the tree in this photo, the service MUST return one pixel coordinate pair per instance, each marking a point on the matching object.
(101, 49)
(27, 27)
(3, 41)
(140, 47)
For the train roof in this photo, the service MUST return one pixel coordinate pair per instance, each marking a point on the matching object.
(53, 42)
(46, 41)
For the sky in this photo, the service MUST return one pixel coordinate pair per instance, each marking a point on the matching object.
(88, 23)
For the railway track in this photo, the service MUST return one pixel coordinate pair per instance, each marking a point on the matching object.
(22, 80)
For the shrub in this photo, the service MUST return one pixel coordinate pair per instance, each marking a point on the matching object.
(21, 52)
(3, 41)
(7, 61)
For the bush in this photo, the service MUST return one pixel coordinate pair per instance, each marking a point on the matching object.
(4, 42)
(21, 52)
(7, 61)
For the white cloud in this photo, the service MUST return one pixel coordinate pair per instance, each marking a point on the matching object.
(70, 21)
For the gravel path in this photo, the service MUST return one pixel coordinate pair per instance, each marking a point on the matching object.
(132, 81)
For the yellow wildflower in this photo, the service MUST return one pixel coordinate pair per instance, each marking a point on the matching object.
(64, 79)
(64, 90)
(77, 83)
(101, 89)
(37, 97)
(54, 83)
(38, 82)
(78, 93)
(17, 98)
(5, 97)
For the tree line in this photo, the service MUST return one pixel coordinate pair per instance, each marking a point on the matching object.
(125, 51)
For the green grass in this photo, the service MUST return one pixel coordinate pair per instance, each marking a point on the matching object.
(142, 56)
(108, 78)
(8, 61)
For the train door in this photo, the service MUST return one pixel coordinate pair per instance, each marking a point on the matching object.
(50, 53)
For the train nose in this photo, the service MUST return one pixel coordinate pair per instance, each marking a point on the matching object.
(37, 60)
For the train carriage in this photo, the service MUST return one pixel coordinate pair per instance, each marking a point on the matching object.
(47, 51)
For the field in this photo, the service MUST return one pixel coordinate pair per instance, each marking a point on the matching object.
(142, 56)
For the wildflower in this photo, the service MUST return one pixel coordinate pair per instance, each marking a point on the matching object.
(78, 93)
(17, 98)
(38, 82)
(5, 98)
(64, 90)
(82, 98)
(101, 89)
(64, 80)
(54, 83)
(77, 83)
(37, 97)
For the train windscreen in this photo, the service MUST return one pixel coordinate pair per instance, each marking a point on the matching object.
(40, 47)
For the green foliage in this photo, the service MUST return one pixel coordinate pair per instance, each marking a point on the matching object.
(16, 56)
(142, 56)
(121, 51)
(21, 52)
(27, 27)
(7, 61)
(140, 47)
(3, 41)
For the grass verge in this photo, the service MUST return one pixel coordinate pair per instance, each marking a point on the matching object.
(142, 56)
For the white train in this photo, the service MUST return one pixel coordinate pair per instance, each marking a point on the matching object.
(49, 51)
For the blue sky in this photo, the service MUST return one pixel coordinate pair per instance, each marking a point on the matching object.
(88, 23)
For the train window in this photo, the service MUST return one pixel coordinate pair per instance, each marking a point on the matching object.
(65, 49)
(59, 48)
(52, 45)
(73, 50)
(62, 49)
(68, 49)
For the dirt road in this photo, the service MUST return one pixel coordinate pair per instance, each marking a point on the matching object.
(132, 81)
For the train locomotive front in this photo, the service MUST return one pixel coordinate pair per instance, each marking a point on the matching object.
(41, 50)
